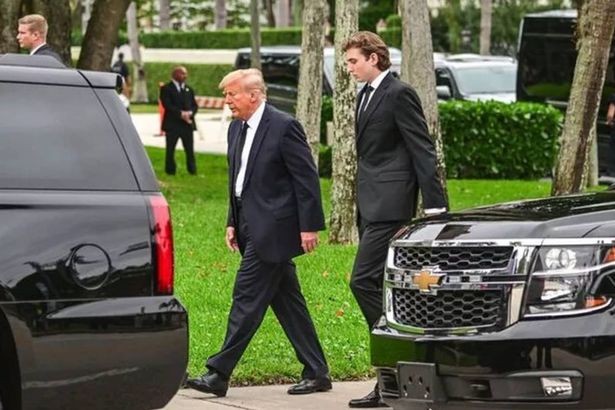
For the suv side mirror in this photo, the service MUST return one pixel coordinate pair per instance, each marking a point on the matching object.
(443, 92)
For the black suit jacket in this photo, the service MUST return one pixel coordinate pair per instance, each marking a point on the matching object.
(174, 102)
(281, 192)
(45, 50)
(396, 155)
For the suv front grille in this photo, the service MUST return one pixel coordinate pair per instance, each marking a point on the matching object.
(453, 258)
(448, 308)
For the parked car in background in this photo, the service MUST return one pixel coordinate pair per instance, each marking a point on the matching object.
(280, 66)
(88, 319)
(476, 78)
(547, 57)
(463, 76)
(510, 306)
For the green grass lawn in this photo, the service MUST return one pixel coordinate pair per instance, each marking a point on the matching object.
(205, 272)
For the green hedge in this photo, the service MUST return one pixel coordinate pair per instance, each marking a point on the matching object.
(203, 78)
(497, 140)
(493, 140)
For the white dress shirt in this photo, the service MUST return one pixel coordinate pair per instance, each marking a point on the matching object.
(374, 84)
(253, 123)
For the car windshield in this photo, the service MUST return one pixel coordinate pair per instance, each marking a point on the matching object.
(487, 79)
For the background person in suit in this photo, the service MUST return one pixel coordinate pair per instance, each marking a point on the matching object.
(32, 36)
(396, 158)
(275, 213)
(178, 121)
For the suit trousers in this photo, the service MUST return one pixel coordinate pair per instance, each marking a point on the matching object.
(258, 285)
(368, 271)
(188, 144)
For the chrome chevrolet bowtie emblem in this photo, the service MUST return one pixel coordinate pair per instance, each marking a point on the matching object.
(427, 280)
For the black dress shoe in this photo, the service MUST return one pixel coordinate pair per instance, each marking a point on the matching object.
(211, 382)
(307, 386)
(371, 401)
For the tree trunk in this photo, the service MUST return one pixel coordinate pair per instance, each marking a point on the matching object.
(309, 95)
(165, 14)
(297, 11)
(255, 34)
(485, 26)
(9, 13)
(417, 69)
(268, 5)
(283, 13)
(593, 170)
(596, 22)
(343, 224)
(101, 35)
(220, 14)
(139, 85)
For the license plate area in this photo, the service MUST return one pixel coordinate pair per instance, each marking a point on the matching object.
(420, 382)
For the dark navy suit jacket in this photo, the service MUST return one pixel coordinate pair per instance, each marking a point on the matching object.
(395, 155)
(281, 192)
(45, 50)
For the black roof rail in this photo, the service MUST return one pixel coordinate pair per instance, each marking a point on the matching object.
(30, 61)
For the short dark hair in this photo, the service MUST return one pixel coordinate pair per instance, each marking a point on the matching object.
(370, 43)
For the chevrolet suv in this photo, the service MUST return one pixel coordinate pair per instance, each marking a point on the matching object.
(503, 307)
(88, 319)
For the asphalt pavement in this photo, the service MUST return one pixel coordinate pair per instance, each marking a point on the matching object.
(210, 136)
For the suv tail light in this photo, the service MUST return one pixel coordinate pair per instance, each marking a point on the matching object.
(162, 244)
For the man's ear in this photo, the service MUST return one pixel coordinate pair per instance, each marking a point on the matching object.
(373, 58)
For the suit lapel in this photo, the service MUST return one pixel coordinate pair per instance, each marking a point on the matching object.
(373, 103)
(232, 154)
(259, 136)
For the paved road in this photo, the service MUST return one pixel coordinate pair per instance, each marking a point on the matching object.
(271, 398)
(182, 56)
(210, 137)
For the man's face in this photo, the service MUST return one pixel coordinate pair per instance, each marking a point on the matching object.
(362, 68)
(180, 76)
(241, 101)
(27, 39)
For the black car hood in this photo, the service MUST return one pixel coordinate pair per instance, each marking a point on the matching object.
(574, 216)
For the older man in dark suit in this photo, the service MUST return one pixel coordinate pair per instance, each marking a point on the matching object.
(32, 36)
(396, 159)
(275, 214)
(178, 121)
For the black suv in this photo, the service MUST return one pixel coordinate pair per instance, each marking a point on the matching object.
(88, 319)
(503, 307)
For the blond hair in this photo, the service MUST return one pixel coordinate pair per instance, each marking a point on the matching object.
(250, 78)
(35, 22)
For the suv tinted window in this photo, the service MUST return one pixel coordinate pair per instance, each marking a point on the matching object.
(56, 137)
(281, 69)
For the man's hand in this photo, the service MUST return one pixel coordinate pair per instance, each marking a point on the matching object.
(187, 116)
(309, 241)
(231, 239)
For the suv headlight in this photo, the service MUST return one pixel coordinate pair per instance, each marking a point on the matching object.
(562, 279)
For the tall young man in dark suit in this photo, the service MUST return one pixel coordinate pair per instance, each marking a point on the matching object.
(275, 214)
(396, 159)
(32, 36)
(178, 121)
